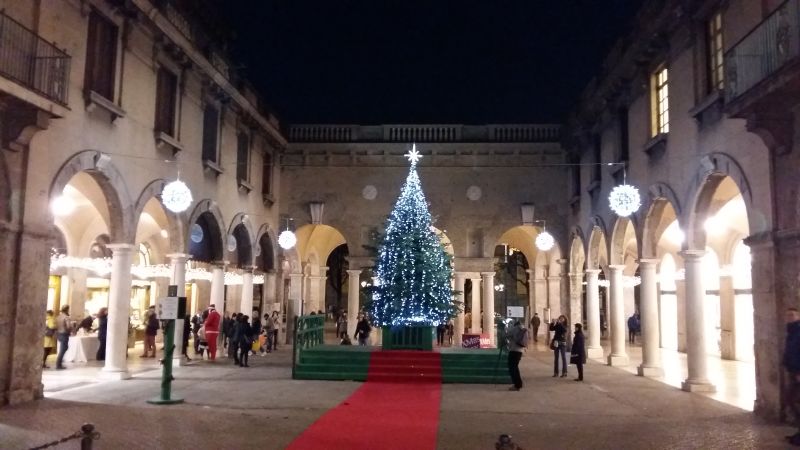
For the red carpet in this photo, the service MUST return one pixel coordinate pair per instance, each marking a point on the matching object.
(397, 408)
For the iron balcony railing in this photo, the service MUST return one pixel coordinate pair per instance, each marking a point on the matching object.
(769, 47)
(425, 133)
(33, 62)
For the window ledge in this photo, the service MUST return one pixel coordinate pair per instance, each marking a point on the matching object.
(212, 166)
(268, 200)
(95, 100)
(245, 186)
(165, 141)
(709, 110)
(656, 146)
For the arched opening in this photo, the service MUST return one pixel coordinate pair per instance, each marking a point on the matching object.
(625, 251)
(521, 267)
(315, 243)
(712, 305)
(242, 253)
(205, 239)
(510, 280)
(336, 283)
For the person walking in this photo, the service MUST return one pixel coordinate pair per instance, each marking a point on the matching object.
(244, 339)
(363, 329)
(102, 332)
(49, 336)
(212, 324)
(791, 362)
(276, 320)
(559, 344)
(632, 328)
(63, 330)
(187, 331)
(536, 322)
(150, 332)
(517, 340)
(578, 354)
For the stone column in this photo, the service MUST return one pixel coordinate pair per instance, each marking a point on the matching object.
(218, 286)
(488, 306)
(554, 295)
(323, 284)
(575, 298)
(353, 292)
(475, 304)
(727, 309)
(315, 281)
(270, 290)
(119, 303)
(247, 293)
(77, 288)
(695, 324)
(458, 322)
(593, 348)
(532, 300)
(295, 306)
(648, 309)
(618, 356)
(177, 263)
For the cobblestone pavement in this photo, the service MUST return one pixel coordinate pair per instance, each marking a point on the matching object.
(260, 407)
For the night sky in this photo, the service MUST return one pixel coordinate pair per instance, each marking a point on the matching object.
(423, 61)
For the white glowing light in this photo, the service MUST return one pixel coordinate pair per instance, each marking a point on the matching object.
(624, 200)
(176, 196)
(164, 234)
(287, 240)
(713, 224)
(413, 155)
(545, 241)
(62, 206)
(674, 234)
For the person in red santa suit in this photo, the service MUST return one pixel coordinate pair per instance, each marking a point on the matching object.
(212, 331)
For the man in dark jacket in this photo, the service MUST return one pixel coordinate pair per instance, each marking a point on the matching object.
(517, 341)
(791, 361)
(536, 322)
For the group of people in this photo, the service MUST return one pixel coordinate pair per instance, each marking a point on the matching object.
(58, 329)
(363, 330)
(517, 340)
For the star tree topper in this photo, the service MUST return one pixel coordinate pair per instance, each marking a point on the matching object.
(413, 155)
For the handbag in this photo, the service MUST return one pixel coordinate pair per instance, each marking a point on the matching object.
(49, 332)
(575, 358)
(554, 344)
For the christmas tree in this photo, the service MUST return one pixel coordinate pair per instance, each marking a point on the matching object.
(412, 269)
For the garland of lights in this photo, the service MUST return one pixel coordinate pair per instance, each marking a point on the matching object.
(412, 271)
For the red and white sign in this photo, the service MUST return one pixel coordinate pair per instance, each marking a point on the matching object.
(476, 341)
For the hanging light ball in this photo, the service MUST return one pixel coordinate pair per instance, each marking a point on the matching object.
(287, 240)
(176, 196)
(624, 200)
(545, 241)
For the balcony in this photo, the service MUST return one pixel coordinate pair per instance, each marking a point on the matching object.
(32, 62)
(772, 46)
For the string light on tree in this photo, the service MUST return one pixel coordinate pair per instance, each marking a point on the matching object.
(176, 196)
(412, 270)
(624, 199)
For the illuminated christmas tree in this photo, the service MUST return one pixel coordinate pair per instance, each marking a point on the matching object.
(412, 270)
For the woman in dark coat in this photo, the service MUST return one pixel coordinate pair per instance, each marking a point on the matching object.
(102, 332)
(244, 336)
(578, 355)
(559, 344)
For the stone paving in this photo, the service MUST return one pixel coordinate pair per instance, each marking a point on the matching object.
(228, 407)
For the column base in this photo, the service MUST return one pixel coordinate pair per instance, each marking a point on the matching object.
(161, 401)
(594, 352)
(643, 371)
(698, 386)
(114, 374)
(618, 360)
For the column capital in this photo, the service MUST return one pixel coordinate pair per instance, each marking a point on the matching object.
(648, 262)
(248, 269)
(619, 267)
(121, 247)
(487, 274)
(463, 275)
(296, 275)
(594, 272)
(554, 277)
(692, 254)
(179, 256)
(352, 272)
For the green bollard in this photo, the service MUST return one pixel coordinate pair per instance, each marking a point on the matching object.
(166, 374)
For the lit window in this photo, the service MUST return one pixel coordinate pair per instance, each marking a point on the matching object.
(660, 101)
(716, 72)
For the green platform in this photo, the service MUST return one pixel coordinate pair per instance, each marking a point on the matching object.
(342, 362)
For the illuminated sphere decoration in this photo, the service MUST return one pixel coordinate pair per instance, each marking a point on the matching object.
(624, 200)
(545, 241)
(176, 196)
(287, 240)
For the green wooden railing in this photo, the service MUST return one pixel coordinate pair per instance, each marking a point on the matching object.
(309, 331)
(408, 338)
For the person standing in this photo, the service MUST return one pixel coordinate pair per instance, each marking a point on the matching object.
(49, 336)
(363, 329)
(276, 320)
(187, 330)
(150, 332)
(212, 324)
(536, 322)
(269, 326)
(578, 354)
(197, 322)
(227, 328)
(632, 328)
(441, 329)
(255, 329)
(341, 324)
(102, 332)
(559, 344)
(517, 339)
(63, 330)
(791, 362)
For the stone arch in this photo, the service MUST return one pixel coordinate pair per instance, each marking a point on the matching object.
(597, 253)
(241, 228)
(714, 168)
(266, 253)
(102, 169)
(321, 238)
(661, 196)
(209, 211)
(177, 232)
(624, 232)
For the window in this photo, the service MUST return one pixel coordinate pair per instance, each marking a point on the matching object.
(660, 101)
(166, 99)
(716, 72)
(211, 133)
(243, 157)
(101, 56)
(266, 176)
(597, 150)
